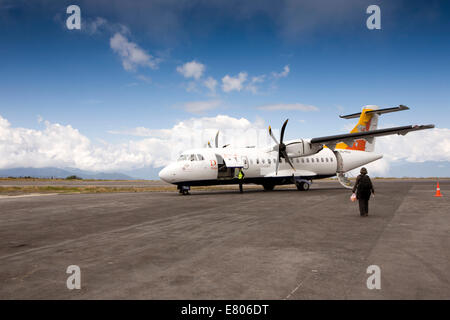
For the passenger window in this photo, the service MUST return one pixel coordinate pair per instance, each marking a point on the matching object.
(307, 160)
(303, 160)
(268, 161)
(192, 157)
(322, 159)
(200, 157)
(331, 159)
(257, 161)
(262, 160)
(298, 161)
(312, 159)
(326, 159)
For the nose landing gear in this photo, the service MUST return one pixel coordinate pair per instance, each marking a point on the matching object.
(184, 190)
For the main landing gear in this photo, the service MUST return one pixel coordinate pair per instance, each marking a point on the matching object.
(268, 187)
(302, 185)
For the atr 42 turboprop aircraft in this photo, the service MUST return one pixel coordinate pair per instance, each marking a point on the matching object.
(292, 162)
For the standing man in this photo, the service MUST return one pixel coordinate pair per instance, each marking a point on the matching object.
(241, 176)
(363, 188)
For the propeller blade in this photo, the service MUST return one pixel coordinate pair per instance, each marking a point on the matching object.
(282, 130)
(280, 148)
(217, 139)
(273, 137)
(287, 159)
(277, 163)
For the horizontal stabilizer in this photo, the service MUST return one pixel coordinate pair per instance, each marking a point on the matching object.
(379, 111)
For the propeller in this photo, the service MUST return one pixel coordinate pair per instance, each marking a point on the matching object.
(216, 141)
(280, 147)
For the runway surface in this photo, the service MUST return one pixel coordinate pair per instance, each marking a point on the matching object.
(283, 244)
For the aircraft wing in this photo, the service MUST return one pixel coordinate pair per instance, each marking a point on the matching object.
(349, 138)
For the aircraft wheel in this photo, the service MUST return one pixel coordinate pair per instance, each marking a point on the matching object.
(303, 186)
(268, 187)
(185, 192)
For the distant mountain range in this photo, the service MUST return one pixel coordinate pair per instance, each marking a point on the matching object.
(51, 172)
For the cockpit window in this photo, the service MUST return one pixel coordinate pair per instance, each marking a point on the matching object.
(191, 157)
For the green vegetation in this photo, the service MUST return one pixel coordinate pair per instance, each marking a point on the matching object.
(73, 177)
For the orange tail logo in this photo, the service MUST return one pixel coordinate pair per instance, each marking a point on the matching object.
(365, 123)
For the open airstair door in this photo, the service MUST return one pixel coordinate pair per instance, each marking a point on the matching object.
(342, 178)
(227, 166)
(234, 162)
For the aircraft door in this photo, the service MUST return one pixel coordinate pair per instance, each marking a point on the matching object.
(223, 172)
(339, 161)
(342, 178)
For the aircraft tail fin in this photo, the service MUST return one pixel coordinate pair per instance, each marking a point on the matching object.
(368, 120)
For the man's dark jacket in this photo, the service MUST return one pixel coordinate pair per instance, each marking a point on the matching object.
(363, 187)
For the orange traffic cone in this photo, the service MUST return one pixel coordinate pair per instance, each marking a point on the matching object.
(438, 191)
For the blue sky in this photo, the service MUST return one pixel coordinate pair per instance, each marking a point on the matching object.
(51, 75)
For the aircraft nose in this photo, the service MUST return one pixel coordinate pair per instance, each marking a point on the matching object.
(164, 174)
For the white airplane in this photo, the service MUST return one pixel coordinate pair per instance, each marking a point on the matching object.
(292, 162)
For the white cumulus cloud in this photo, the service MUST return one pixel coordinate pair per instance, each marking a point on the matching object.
(252, 86)
(234, 83)
(282, 74)
(211, 84)
(131, 54)
(419, 146)
(192, 69)
(58, 145)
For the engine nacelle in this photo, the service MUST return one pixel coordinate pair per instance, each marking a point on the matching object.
(302, 148)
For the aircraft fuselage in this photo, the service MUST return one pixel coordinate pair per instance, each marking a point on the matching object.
(215, 166)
